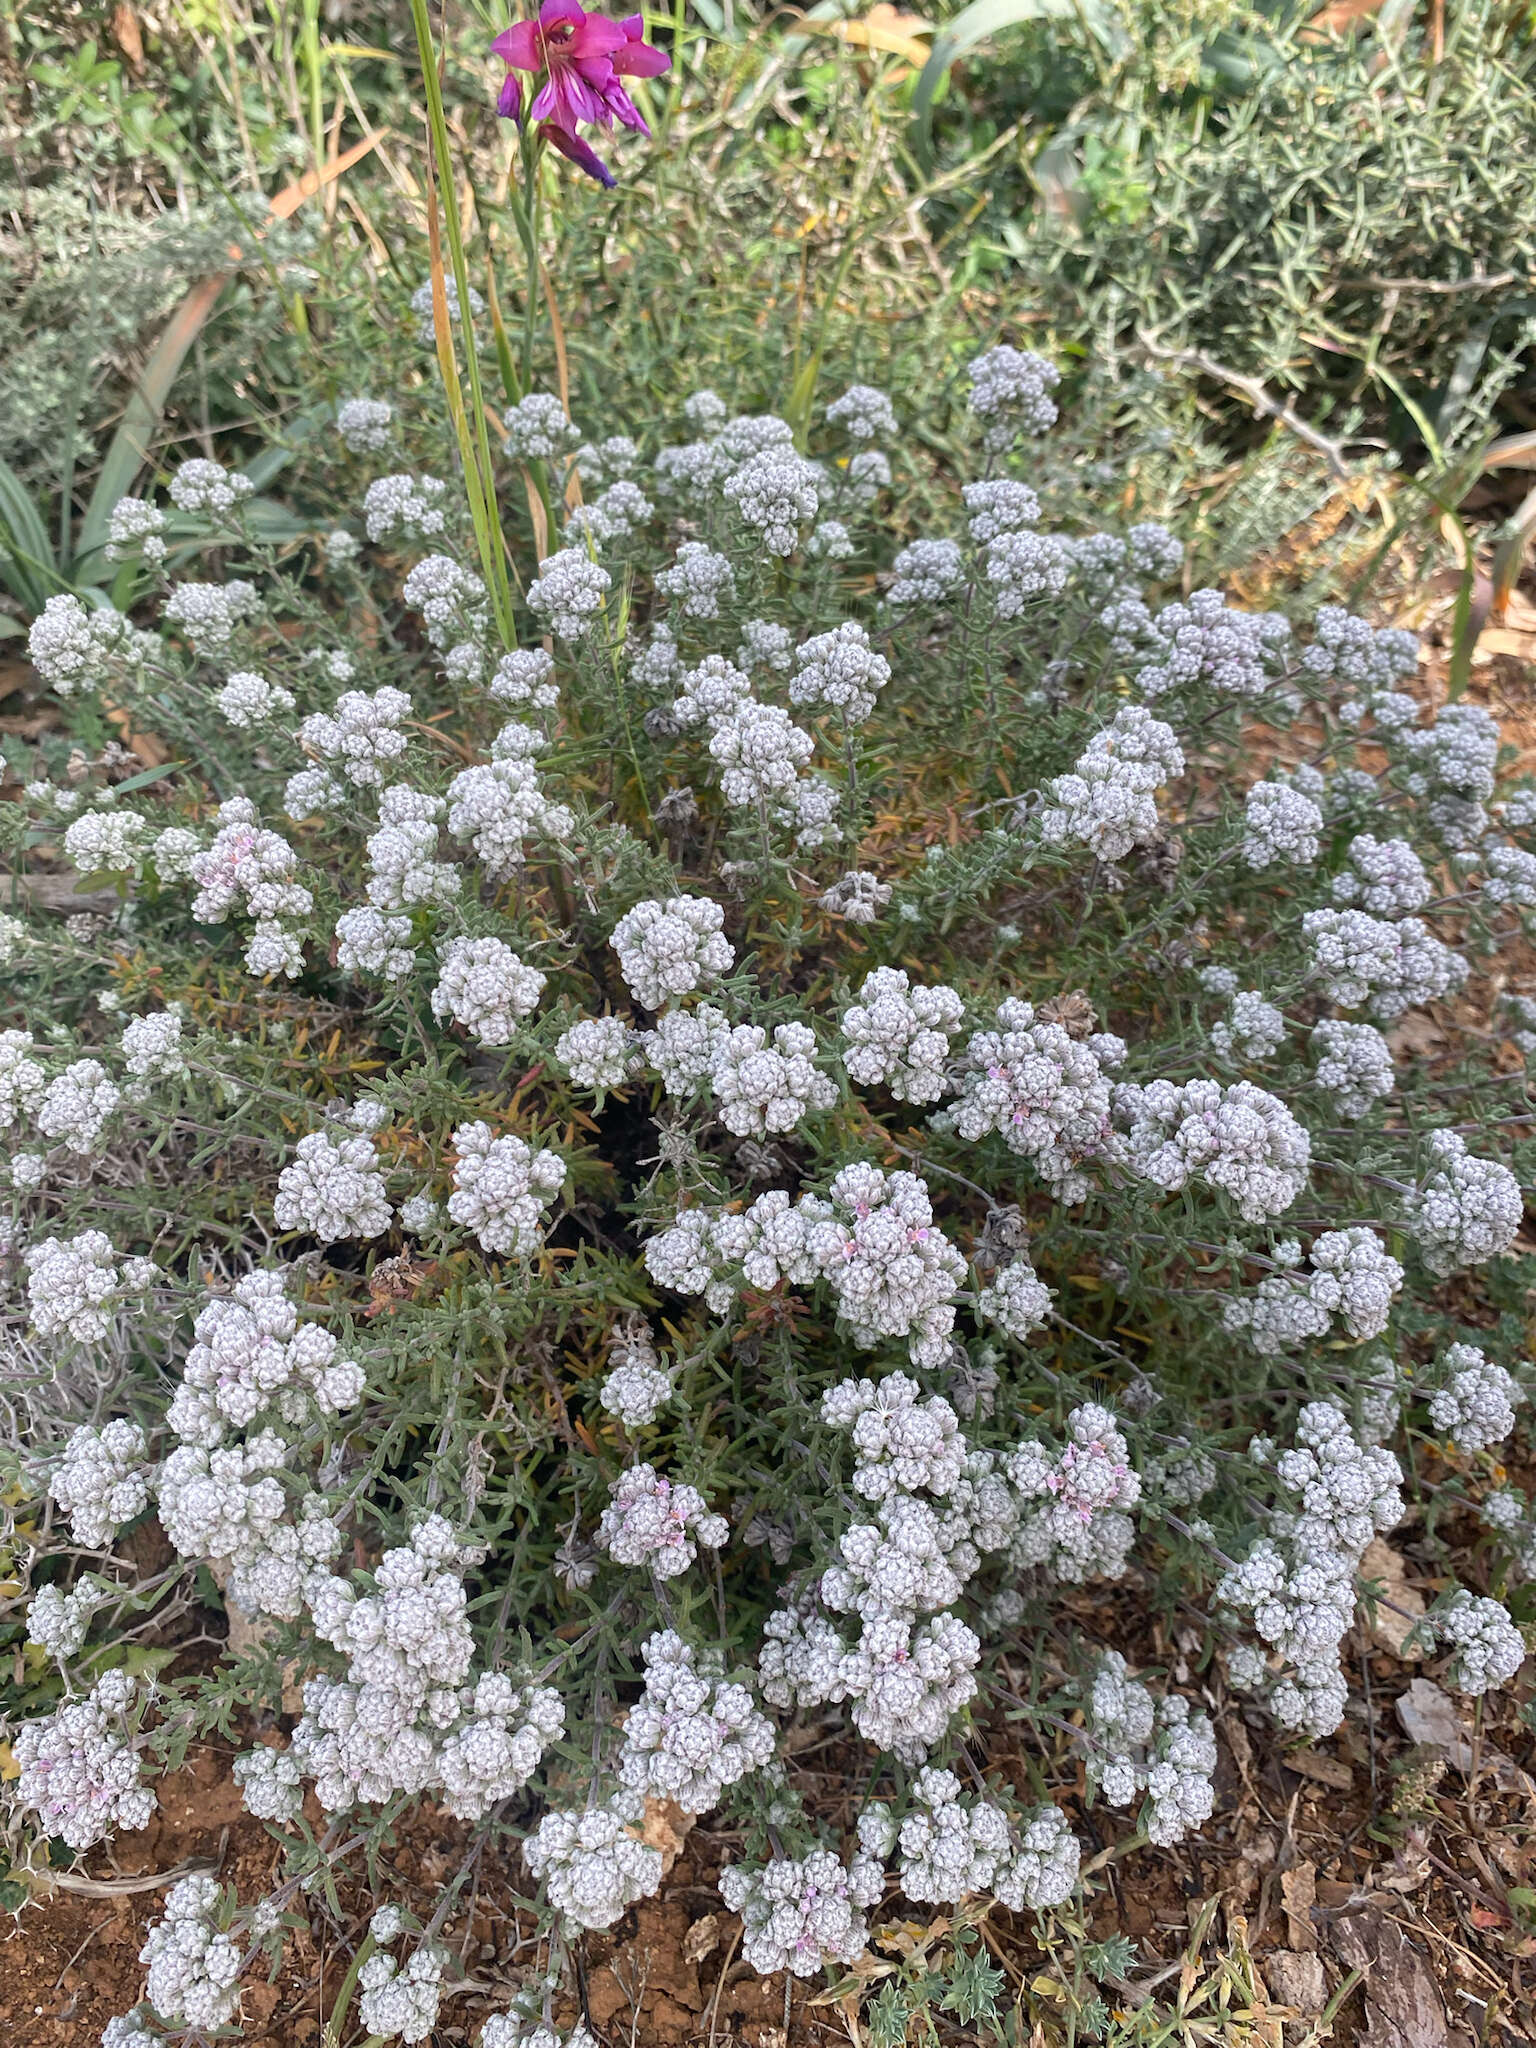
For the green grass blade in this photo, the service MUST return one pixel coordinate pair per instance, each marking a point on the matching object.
(28, 566)
(984, 18)
(131, 444)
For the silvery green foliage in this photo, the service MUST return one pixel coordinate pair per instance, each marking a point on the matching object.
(581, 1175)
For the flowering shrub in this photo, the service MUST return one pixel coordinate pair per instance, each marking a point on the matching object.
(520, 1112)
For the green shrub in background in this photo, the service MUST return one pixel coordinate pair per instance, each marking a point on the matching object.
(1345, 218)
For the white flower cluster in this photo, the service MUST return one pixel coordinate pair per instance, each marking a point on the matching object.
(801, 1916)
(102, 1481)
(502, 1189)
(210, 614)
(405, 508)
(1076, 1520)
(404, 869)
(451, 599)
(1001, 505)
(711, 692)
(1255, 1028)
(537, 429)
(360, 734)
(1353, 652)
(1017, 1301)
(598, 1052)
(949, 1849)
(400, 2004)
(251, 869)
(1299, 1584)
(864, 414)
(486, 987)
(774, 493)
(75, 649)
(1486, 1648)
(363, 424)
(201, 486)
(409, 1647)
(252, 1354)
(423, 303)
(1010, 394)
(569, 591)
(839, 671)
(1476, 1405)
(668, 949)
(1043, 1092)
(903, 1442)
(22, 1079)
(194, 1970)
(332, 1187)
(1024, 566)
(79, 1766)
(135, 527)
(523, 677)
(1384, 877)
(77, 1106)
(1164, 1748)
(1354, 1066)
(897, 1036)
(248, 700)
(105, 842)
(593, 1864)
(1509, 875)
(1352, 1277)
(368, 942)
(690, 1736)
(637, 1386)
(1279, 824)
(700, 580)
(73, 1286)
(1206, 642)
(1394, 967)
(1467, 1211)
(59, 1622)
(765, 645)
(271, 1784)
(760, 751)
(925, 572)
(224, 1503)
(498, 804)
(762, 1086)
(1240, 1140)
(617, 456)
(652, 1522)
(498, 1744)
(892, 1270)
(1108, 803)
(1459, 752)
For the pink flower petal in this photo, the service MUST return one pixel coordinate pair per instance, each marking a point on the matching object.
(520, 45)
(572, 146)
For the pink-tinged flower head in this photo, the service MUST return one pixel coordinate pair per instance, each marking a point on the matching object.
(582, 56)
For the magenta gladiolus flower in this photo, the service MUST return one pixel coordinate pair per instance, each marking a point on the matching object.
(583, 58)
